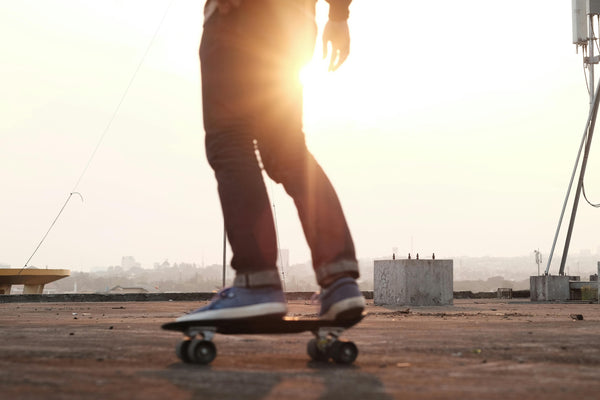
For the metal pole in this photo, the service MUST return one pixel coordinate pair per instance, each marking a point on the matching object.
(278, 246)
(583, 141)
(590, 133)
(578, 191)
(224, 253)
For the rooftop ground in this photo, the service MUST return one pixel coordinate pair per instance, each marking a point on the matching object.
(475, 349)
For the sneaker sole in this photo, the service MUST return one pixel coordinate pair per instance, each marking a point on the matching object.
(255, 310)
(346, 309)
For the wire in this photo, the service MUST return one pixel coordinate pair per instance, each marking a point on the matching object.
(117, 109)
(51, 226)
(106, 129)
(595, 41)
(587, 83)
(594, 38)
(597, 205)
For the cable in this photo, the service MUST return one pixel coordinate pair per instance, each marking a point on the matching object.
(593, 35)
(595, 41)
(51, 226)
(597, 205)
(106, 129)
(594, 38)
(117, 109)
(587, 83)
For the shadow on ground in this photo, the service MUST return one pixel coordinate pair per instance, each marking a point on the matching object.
(322, 381)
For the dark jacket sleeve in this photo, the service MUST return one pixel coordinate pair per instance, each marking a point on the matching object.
(338, 9)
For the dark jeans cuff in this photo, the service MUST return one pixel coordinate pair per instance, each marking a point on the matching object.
(257, 279)
(341, 268)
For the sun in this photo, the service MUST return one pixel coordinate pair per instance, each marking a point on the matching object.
(316, 82)
(313, 74)
(325, 93)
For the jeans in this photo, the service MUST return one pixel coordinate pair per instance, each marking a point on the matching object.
(252, 105)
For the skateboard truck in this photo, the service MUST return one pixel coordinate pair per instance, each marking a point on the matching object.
(326, 345)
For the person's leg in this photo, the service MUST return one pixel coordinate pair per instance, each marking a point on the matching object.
(287, 160)
(230, 62)
(324, 226)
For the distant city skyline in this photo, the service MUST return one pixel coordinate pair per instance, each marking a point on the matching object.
(475, 274)
(518, 267)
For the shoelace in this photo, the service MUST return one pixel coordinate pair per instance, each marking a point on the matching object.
(223, 293)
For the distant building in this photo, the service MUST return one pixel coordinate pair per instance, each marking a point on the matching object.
(132, 289)
(128, 262)
(283, 258)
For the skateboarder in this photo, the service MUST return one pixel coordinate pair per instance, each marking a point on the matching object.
(251, 54)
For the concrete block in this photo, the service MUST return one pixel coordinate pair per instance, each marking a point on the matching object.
(582, 290)
(413, 282)
(549, 288)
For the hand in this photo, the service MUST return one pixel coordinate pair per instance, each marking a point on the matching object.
(338, 34)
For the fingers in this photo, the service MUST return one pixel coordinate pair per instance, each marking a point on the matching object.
(338, 56)
(337, 59)
(332, 61)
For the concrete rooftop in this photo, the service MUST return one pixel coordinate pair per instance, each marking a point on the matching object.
(475, 349)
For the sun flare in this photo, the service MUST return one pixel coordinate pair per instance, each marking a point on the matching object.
(325, 93)
(314, 74)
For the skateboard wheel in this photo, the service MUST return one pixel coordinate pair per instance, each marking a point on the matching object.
(344, 352)
(315, 352)
(182, 351)
(201, 351)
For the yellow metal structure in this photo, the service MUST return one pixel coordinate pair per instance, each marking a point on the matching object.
(32, 279)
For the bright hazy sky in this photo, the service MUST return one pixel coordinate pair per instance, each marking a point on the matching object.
(452, 128)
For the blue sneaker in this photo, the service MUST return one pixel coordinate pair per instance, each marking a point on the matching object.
(341, 301)
(239, 302)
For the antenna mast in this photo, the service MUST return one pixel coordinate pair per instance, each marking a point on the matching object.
(584, 12)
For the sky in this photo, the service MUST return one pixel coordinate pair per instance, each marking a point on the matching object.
(452, 128)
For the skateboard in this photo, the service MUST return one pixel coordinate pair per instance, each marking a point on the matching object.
(197, 346)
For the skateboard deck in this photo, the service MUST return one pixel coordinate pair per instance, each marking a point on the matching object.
(197, 346)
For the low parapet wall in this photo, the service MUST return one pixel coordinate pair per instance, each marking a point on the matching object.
(195, 296)
(467, 294)
(99, 297)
